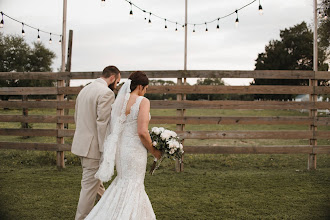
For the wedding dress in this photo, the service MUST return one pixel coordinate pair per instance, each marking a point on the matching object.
(126, 197)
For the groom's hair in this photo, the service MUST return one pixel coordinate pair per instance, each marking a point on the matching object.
(138, 78)
(109, 71)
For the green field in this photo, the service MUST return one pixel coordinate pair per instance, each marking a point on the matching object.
(211, 186)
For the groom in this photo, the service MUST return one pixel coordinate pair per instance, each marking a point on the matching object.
(93, 108)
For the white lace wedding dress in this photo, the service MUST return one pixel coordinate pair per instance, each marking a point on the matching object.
(126, 197)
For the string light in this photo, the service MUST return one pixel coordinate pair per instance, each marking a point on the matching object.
(260, 9)
(149, 18)
(237, 21)
(131, 12)
(102, 2)
(325, 16)
(320, 14)
(24, 25)
(176, 26)
(50, 38)
(145, 17)
(204, 23)
(60, 41)
(206, 27)
(1, 23)
(38, 36)
(194, 28)
(23, 32)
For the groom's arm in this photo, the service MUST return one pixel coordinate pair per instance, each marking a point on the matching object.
(103, 116)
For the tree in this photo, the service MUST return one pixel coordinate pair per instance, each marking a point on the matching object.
(324, 27)
(17, 56)
(293, 52)
(208, 81)
(163, 96)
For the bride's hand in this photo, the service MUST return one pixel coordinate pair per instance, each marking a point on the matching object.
(157, 153)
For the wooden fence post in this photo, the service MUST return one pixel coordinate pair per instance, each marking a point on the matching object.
(25, 125)
(179, 127)
(313, 127)
(60, 140)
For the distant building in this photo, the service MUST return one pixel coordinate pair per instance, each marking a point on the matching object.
(305, 98)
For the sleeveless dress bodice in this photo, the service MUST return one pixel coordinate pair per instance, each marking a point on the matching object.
(126, 198)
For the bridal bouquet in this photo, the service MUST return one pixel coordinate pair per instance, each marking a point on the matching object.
(168, 142)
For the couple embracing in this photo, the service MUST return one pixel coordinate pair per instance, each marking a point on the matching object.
(113, 132)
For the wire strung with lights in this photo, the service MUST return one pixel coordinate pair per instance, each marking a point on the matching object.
(191, 24)
(26, 25)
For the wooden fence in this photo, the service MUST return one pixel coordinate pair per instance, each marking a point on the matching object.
(311, 134)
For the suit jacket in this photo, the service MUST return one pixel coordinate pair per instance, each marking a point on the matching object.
(92, 115)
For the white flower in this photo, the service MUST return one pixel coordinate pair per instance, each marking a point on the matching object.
(165, 135)
(154, 143)
(172, 151)
(155, 130)
(173, 134)
(170, 144)
(176, 144)
(181, 146)
(161, 129)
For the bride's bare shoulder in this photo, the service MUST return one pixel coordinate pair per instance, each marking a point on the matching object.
(145, 102)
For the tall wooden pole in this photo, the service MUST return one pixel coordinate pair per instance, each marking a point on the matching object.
(68, 69)
(60, 97)
(313, 97)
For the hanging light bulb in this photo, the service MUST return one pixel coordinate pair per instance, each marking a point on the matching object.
(218, 26)
(38, 39)
(23, 32)
(145, 16)
(50, 38)
(237, 21)
(260, 9)
(2, 22)
(320, 14)
(102, 3)
(60, 41)
(165, 24)
(149, 18)
(325, 16)
(194, 28)
(176, 26)
(206, 27)
(131, 11)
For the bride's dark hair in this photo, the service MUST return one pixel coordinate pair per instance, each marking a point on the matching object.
(138, 78)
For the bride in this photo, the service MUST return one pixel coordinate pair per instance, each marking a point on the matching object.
(126, 147)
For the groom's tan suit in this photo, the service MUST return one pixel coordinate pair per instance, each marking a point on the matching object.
(93, 107)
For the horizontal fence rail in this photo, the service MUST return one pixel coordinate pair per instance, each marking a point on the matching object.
(181, 104)
(195, 120)
(261, 74)
(186, 89)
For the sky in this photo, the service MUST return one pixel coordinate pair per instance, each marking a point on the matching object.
(106, 35)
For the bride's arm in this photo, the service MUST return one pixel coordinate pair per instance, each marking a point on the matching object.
(142, 123)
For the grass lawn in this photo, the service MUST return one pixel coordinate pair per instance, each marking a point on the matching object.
(211, 187)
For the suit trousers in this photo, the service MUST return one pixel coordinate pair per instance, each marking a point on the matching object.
(90, 187)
